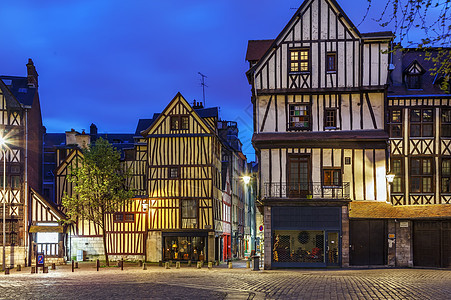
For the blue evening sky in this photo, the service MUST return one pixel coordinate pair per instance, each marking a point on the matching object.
(112, 62)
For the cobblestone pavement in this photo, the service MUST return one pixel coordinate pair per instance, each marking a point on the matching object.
(223, 283)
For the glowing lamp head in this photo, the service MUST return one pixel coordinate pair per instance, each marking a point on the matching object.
(246, 179)
(2, 141)
(390, 177)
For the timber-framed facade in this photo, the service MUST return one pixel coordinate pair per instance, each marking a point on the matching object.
(318, 93)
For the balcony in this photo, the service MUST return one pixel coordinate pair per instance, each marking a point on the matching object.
(311, 190)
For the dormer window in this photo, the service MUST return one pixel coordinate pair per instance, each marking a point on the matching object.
(299, 60)
(412, 75)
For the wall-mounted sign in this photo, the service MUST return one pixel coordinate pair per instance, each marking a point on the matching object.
(404, 224)
(391, 235)
(260, 228)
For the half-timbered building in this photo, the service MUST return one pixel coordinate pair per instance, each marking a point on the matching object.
(318, 95)
(21, 129)
(418, 218)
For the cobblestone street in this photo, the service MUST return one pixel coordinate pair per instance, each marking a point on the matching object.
(222, 283)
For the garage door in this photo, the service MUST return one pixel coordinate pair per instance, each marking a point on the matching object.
(432, 244)
(367, 242)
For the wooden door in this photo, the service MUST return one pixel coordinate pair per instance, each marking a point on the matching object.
(426, 243)
(367, 242)
(298, 176)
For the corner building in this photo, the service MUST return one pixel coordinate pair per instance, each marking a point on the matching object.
(318, 95)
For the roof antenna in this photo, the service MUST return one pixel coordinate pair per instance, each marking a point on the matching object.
(203, 85)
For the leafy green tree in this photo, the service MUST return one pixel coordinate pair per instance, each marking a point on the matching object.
(98, 187)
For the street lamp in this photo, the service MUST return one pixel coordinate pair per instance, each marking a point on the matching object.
(3, 145)
(390, 177)
(246, 179)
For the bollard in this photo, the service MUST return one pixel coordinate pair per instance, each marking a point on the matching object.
(45, 269)
(73, 265)
(230, 265)
(202, 263)
(140, 263)
(177, 265)
(6, 271)
(256, 263)
(210, 265)
(189, 263)
(160, 263)
(166, 265)
(144, 266)
(53, 266)
(199, 265)
(122, 264)
(170, 264)
(19, 268)
(98, 265)
(33, 270)
(248, 264)
(217, 263)
(76, 265)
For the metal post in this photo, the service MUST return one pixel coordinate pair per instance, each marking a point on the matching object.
(4, 207)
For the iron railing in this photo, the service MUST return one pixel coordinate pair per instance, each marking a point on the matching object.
(310, 190)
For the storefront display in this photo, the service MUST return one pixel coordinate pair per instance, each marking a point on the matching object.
(184, 248)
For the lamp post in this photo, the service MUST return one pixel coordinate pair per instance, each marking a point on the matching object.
(2, 145)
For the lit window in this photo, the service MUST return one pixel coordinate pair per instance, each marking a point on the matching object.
(299, 60)
(397, 169)
(118, 217)
(173, 172)
(332, 177)
(421, 175)
(446, 175)
(179, 122)
(189, 213)
(395, 123)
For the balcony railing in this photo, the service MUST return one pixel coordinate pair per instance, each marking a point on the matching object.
(311, 190)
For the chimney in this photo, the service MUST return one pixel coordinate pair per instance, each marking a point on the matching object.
(197, 105)
(32, 75)
(93, 129)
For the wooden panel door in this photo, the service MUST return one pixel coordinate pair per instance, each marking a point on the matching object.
(367, 242)
(426, 243)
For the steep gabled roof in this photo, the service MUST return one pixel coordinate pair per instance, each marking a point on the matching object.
(18, 86)
(257, 48)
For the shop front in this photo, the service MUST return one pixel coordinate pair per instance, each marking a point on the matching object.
(185, 246)
(306, 236)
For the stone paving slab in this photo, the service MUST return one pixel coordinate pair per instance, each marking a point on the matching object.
(223, 283)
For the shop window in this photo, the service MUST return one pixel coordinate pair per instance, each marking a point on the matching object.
(300, 118)
(189, 213)
(421, 122)
(184, 248)
(446, 123)
(330, 118)
(395, 123)
(398, 170)
(301, 246)
(299, 60)
(331, 62)
(421, 175)
(446, 175)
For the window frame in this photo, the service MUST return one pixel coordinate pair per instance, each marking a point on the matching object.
(445, 176)
(393, 123)
(409, 81)
(194, 208)
(308, 107)
(334, 111)
(444, 123)
(421, 175)
(334, 55)
(179, 122)
(399, 176)
(421, 123)
(170, 174)
(121, 217)
(299, 61)
(333, 171)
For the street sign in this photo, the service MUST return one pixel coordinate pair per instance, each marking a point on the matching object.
(260, 228)
(40, 260)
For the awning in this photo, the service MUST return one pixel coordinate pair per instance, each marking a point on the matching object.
(35, 228)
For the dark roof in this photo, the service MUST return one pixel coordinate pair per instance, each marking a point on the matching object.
(319, 136)
(257, 48)
(143, 124)
(408, 56)
(19, 88)
(382, 210)
(379, 34)
(54, 139)
(211, 112)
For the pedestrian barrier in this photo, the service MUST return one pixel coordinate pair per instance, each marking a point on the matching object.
(248, 264)
(6, 271)
(53, 266)
(144, 266)
(189, 263)
(45, 269)
(166, 265)
(19, 268)
(97, 265)
(33, 270)
(210, 265)
(230, 265)
(177, 265)
(199, 265)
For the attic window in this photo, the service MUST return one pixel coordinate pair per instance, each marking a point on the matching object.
(7, 81)
(414, 82)
(299, 60)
